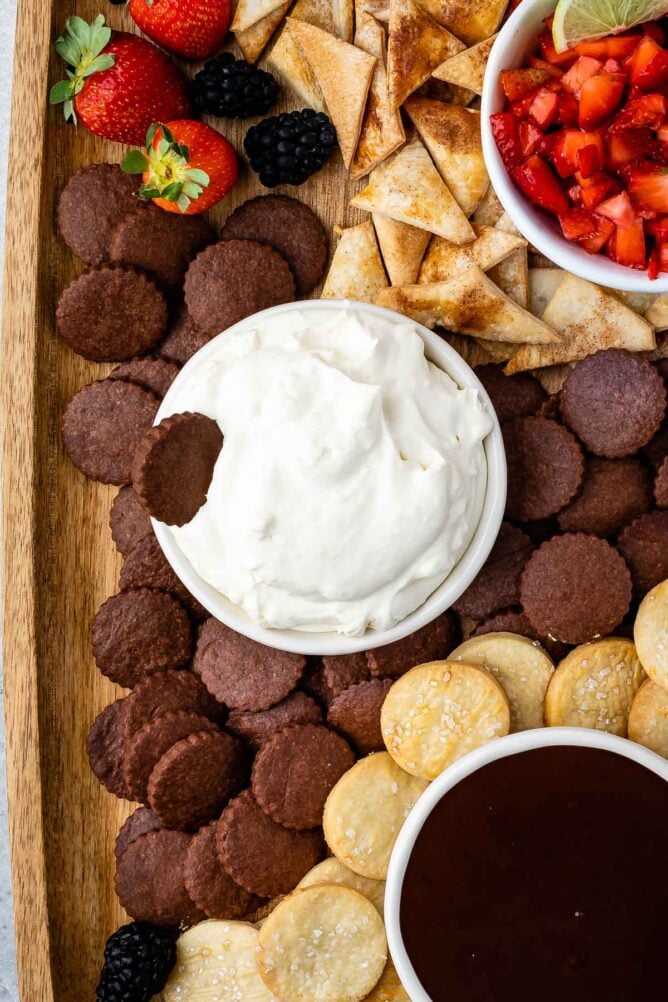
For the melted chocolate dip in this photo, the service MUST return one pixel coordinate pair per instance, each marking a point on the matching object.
(543, 877)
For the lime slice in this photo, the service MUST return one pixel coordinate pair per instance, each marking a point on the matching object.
(579, 20)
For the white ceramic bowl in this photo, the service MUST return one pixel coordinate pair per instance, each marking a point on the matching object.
(511, 49)
(500, 748)
(446, 358)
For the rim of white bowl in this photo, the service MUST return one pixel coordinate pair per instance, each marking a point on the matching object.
(513, 744)
(510, 50)
(302, 642)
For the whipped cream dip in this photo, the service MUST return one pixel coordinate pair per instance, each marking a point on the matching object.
(352, 474)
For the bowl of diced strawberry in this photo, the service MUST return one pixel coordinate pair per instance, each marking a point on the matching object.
(576, 145)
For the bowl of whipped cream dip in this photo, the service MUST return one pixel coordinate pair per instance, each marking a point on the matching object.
(361, 483)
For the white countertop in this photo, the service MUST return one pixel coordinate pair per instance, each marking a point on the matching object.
(8, 983)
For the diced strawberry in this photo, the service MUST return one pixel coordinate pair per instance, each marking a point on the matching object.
(627, 245)
(582, 70)
(520, 108)
(568, 109)
(577, 223)
(649, 188)
(544, 108)
(613, 47)
(625, 147)
(518, 83)
(540, 185)
(600, 96)
(551, 55)
(546, 144)
(506, 135)
(647, 111)
(567, 145)
(540, 64)
(589, 160)
(530, 137)
(662, 133)
(618, 210)
(654, 30)
(663, 256)
(596, 189)
(653, 264)
(612, 66)
(596, 241)
(575, 194)
(659, 228)
(648, 65)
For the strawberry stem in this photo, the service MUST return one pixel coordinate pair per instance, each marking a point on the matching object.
(166, 169)
(82, 48)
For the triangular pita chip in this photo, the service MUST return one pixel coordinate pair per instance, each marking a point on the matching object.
(512, 275)
(408, 187)
(468, 347)
(343, 74)
(490, 209)
(417, 45)
(467, 68)
(402, 247)
(444, 259)
(468, 304)
(380, 9)
(505, 223)
(255, 39)
(543, 283)
(249, 12)
(356, 271)
(498, 351)
(288, 60)
(471, 20)
(588, 320)
(382, 129)
(334, 16)
(657, 314)
(452, 136)
(553, 378)
(638, 301)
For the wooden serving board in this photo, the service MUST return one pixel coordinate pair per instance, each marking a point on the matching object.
(60, 562)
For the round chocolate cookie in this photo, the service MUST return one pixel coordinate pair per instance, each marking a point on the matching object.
(208, 883)
(614, 401)
(341, 671)
(91, 205)
(184, 338)
(140, 821)
(314, 683)
(128, 520)
(290, 227)
(140, 632)
(294, 772)
(173, 466)
(661, 485)
(263, 857)
(241, 673)
(146, 567)
(111, 314)
(196, 777)
(614, 492)
(644, 546)
(150, 742)
(232, 279)
(105, 746)
(656, 450)
(356, 713)
(154, 374)
(429, 643)
(149, 879)
(163, 243)
(514, 621)
(511, 396)
(167, 692)
(574, 588)
(103, 425)
(256, 728)
(497, 585)
(545, 467)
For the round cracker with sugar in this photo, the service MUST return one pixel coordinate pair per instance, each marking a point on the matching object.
(594, 686)
(650, 634)
(521, 667)
(217, 960)
(322, 944)
(648, 719)
(365, 811)
(333, 871)
(389, 988)
(438, 712)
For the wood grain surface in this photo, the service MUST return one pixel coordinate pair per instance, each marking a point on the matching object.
(60, 563)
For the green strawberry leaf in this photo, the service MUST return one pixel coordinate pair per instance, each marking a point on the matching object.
(152, 129)
(172, 192)
(68, 49)
(191, 190)
(134, 162)
(80, 31)
(198, 176)
(62, 91)
(104, 62)
(100, 35)
(183, 202)
(182, 151)
(147, 192)
(166, 134)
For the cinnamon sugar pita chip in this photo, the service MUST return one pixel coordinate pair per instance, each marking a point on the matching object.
(543, 283)
(451, 133)
(408, 187)
(416, 46)
(469, 20)
(402, 247)
(249, 12)
(470, 348)
(255, 39)
(467, 68)
(444, 259)
(290, 63)
(489, 210)
(343, 74)
(657, 314)
(512, 276)
(380, 9)
(382, 129)
(334, 16)
(356, 271)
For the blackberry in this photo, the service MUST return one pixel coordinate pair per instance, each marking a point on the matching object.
(137, 960)
(288, 148)
(232, 88)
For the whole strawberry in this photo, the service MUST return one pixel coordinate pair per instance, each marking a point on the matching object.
(192, 29)
(187, 166)
(118, 83)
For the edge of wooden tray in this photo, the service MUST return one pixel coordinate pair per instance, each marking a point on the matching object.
(21, 324)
